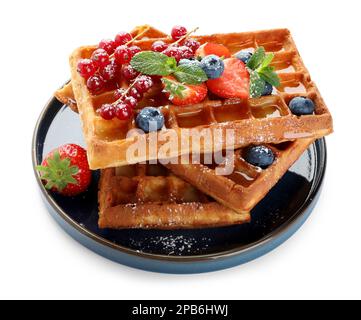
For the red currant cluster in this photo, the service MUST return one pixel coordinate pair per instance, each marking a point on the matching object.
(181, 49)
(126, 100)
(104, 66)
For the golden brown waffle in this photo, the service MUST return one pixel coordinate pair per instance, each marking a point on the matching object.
(66, 94)
(264, 120)
(246, 185)
(147, 196)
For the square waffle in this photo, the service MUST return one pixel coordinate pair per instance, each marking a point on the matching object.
(263, 120)
(149, 196)
(246, 185)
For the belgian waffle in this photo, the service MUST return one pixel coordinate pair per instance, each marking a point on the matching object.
(264, 120)
(242, 189)
(149, 196)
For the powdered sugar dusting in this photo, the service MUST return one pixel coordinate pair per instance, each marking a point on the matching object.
(177, 245)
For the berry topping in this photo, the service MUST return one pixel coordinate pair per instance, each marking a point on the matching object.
(186, 53)
(213, 66)
(95, 84)
(133, 92)
(159, 46)
(244, 56)
(183, 94)
(234, 82)
(302, 106)
(143, 84)
(213, 48)
(178, 32)
(150, 119)
(122, 38)
(260, 156)
(100, 57)
(129, 73)
(122, 54)
(173, 52)
(268, 89)
(65, 170)
(110, 71)
(123, 112)
(134, 50)
(131, 102)
(108, 45)
(119, 93)
(86, 68)
(192, 44)
(107, 111)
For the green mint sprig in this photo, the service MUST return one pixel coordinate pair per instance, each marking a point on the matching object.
(175, 89)
(261, 72)
(155, 63)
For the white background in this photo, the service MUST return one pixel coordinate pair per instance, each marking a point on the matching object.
(38, 260)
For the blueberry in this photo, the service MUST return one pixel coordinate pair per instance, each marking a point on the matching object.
(187, 61)
(268, 89)
(150, 119)
(244, 56)
(213, 66)
(301, 106)
(260, 156)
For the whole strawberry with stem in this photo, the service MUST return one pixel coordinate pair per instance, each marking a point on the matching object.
(65, 170)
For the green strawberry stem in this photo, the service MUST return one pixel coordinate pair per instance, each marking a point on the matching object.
(58, 173)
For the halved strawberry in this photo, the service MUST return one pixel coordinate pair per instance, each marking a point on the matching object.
(213, 48)
(234, 82)
(65, 170)
(183, 94)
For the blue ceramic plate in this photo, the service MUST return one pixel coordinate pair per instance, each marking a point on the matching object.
(274, 220)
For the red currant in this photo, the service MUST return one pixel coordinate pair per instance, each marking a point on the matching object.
(130, 102)
(178, 32)
(108, 45)
(122, 38)
(123, 112)
(159, 46)
(192, 44)
(143, 84)
(110, 71)
(119, 93)
(86, 68)
(134, 50)
(129, 73)
(95, 84)
(186, 52)
(133, 92)
(122, 54)
(173, 52)
(100, 57)
(107, 111)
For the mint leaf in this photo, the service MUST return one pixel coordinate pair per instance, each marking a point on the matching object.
(257, 85)
(153, 63)
(267, 60)
(190, 74)
(173, 88)
(257, 58)
(269, 75)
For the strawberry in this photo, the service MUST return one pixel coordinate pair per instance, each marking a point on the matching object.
(213, 48)
(183, 94)
(234, 82)
(65, 170)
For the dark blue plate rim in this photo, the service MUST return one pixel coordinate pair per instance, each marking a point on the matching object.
(296, 219)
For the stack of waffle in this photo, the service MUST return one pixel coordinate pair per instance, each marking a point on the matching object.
(136, 193)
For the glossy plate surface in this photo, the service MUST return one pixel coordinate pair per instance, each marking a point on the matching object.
(274, 220)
